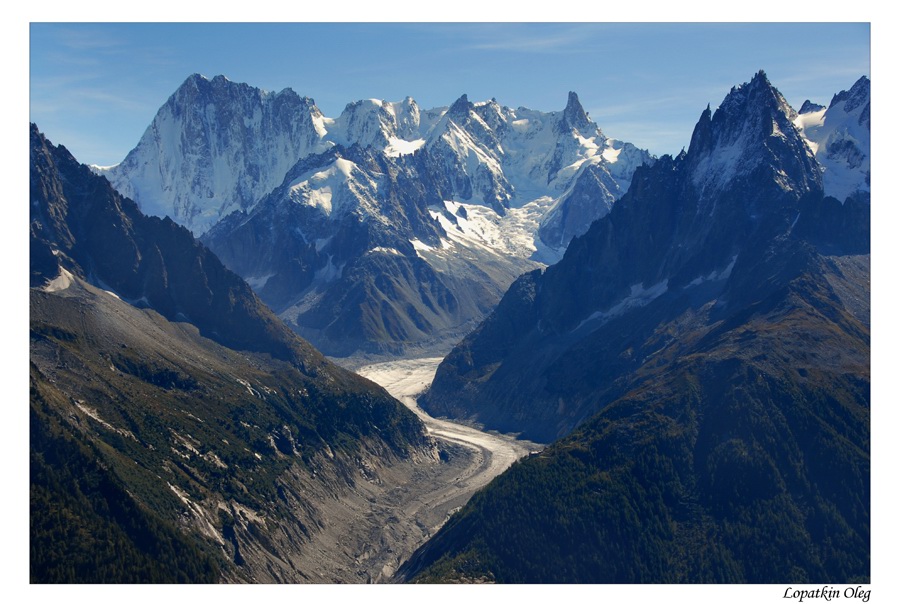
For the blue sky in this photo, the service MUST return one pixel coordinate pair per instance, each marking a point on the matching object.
(95, 87)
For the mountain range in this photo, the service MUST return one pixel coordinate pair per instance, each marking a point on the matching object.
(701, 359)
(395, 230)
(388, 228)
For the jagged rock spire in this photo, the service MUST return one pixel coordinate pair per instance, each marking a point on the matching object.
(574, 115)
(702, 136)
(460, 106)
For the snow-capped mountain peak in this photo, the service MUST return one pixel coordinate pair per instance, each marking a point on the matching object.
(217, 146)
(460, 108)
(331, 188)
(840, 137)
(387, 126)
(857, 96)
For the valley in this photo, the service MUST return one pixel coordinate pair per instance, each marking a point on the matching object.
(370, 530)
(494, 452)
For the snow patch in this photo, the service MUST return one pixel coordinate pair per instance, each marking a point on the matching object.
(809, 125)
(322, 242)
(344, 166)
(717, 169)
(385, 250)
(724, 273)
(318, 188)
(186, 442)
(249, 388)
(397, 147)
(215, 460)
(61, 282)
(330, 272)
(638, 297)
(611, 155)
(318, 198)
(420, 247)
(257, 283)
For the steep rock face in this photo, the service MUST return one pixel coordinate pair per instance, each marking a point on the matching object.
(840, 136)
(336, 251)
(176, 425)
(603, 171)
(216, 146)
(588, 200)
(810, 107)
(470, 154)
(704, 351)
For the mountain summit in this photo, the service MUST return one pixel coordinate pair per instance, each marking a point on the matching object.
(751, 130)
(216, 146)
(575, 117)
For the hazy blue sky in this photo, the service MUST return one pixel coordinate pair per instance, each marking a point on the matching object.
(95, 87)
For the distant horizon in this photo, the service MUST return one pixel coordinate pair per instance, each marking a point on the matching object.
(96, 87)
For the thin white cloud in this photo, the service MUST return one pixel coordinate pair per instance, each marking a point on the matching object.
(521, 37)
(82, 39)
(690, 100)
(529, 43)
(88, 101)
(815, 74)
